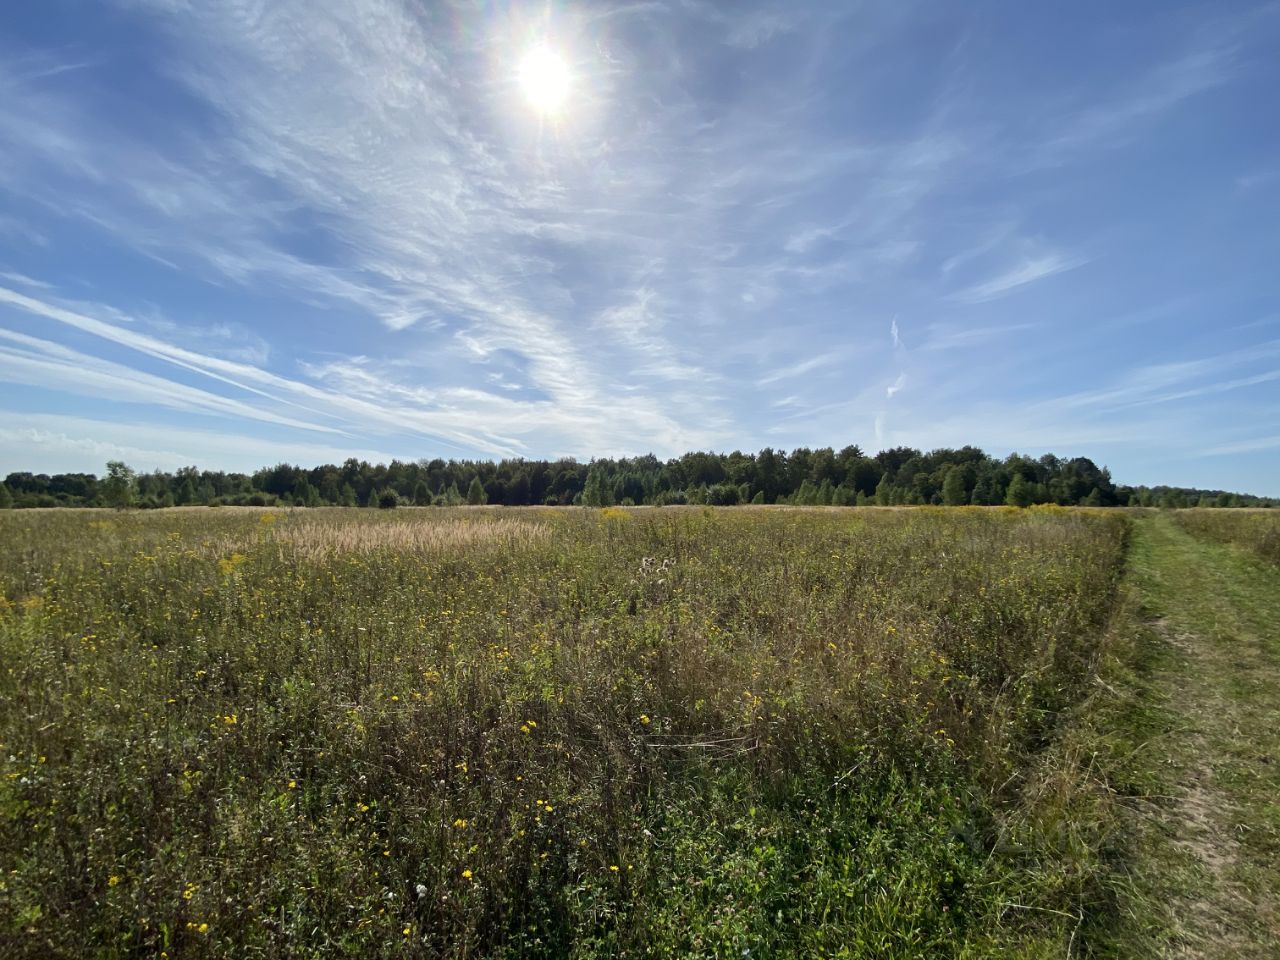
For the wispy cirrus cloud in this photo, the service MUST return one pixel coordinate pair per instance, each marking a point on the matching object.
(798, 369)
(1252, 445)
(54, 443)
(950, 336)
(1161, 383)
(1117, 119)
(41, 363)
(1028, 272)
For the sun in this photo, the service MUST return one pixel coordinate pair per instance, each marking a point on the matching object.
(544, 78)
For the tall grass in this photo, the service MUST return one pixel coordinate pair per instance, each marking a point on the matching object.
(532, 733)
(1256, 530)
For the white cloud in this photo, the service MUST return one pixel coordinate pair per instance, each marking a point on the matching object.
(52, 443)
(23, 280)
(1161, 89)
(1025, 273)
(43, 364)
(953, 336)
(1253, 445)
(797, 369)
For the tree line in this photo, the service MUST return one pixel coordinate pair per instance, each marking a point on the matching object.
(803, 477)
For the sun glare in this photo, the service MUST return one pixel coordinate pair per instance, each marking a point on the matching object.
(544, 78)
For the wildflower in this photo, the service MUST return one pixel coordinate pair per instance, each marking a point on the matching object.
(293, 784)
(466, 874)
(112, 880)
(460, 823)
(230, 719)
(644, 718)
(406, 931)
(524, 728)
(549, 808)
(613, 868)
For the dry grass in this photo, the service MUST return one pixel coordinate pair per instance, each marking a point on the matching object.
(1256, 530)
(423, 532)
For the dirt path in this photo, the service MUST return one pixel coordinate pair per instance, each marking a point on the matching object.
(1210, 845)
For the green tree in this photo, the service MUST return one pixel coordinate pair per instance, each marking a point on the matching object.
(421, 494)
(884, 491)
(120, 487)
(1021, 492)
(596, 493)
(347, 497)
(476, 496)
(723, 495)
(954, 493)
(388, 499)
(984, 492)
(306, 495)
(6, 498)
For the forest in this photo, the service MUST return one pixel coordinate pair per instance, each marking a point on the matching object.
(900, 476)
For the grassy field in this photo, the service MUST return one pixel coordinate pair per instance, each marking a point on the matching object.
(1186, 738)
(1258, 530)
(540, 733)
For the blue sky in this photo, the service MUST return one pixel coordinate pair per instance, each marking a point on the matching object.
(238, 233)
